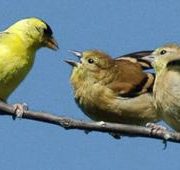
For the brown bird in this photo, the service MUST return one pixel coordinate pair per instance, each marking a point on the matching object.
(112, 90)
(166, 89)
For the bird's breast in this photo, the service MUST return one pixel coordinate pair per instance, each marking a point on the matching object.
(167, 94)
(101, 104)
(13, 69)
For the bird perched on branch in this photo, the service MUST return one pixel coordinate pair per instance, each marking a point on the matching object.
(112, 90)
(166, 91)
(18, 46)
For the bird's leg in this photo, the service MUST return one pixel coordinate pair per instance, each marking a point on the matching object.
(19, 110)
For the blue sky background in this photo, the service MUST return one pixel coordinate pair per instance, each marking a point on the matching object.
(115, 26)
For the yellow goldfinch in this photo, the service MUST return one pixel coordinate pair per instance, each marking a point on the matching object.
(18, 46)
(166, 61)
(113, 90)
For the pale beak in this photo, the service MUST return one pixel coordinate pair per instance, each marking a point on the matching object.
(51, 43)
(72, 63)
(149, 58)
(76, 53)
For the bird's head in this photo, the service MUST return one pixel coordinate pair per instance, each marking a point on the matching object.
(35, 33)
(163, 56)
(93, 65)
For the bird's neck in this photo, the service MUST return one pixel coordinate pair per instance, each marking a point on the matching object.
(29, 42)
(159, 67)
(81, 79)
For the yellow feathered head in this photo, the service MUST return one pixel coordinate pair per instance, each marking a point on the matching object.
(35, 32)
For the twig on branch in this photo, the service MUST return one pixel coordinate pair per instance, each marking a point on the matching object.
(68, 123)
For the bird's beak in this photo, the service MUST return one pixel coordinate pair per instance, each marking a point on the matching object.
(72, 63)
(76, 53)
(149, 58)
(51, 43)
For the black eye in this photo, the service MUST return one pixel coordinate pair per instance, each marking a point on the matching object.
(163, 52)
(90, 60)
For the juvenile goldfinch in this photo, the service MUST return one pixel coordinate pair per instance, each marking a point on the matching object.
(113, 90)
(166, 89)
(18, 46)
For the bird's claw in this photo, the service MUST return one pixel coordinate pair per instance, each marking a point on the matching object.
(19, 110)
(156, 129)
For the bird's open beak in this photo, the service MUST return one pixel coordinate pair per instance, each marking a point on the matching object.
(76, 53)
(72, 63)
(51, 43)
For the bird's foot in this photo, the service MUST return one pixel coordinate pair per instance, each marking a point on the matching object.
(19, 110)
(156, 129)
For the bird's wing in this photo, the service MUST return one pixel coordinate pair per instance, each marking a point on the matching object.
(122, 88)
(149, 82)
(136, 57)
(128, 89)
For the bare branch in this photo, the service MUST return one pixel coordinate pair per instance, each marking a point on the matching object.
(68, 123)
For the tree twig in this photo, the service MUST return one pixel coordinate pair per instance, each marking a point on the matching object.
(69, 123)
